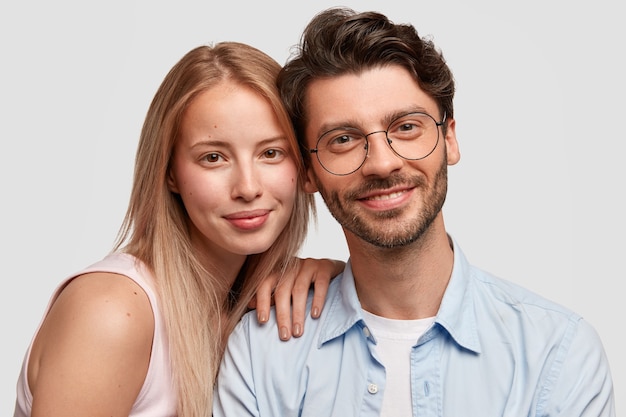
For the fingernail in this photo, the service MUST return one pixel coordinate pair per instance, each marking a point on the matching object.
(297, 330)
(283, 333)
(262, 318)
(315, 312)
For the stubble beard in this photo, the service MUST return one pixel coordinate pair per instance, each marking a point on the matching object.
(381, 230)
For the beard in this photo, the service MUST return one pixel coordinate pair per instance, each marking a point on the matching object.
(386, 229)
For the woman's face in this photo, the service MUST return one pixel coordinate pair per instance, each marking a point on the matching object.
(233, 171)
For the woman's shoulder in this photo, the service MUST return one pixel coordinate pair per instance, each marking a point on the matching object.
(100, 326)
(103, 307)
(105, 294)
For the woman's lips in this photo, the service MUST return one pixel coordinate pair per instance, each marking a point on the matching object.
(248, 220)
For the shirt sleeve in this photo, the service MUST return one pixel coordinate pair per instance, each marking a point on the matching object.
(580, 383)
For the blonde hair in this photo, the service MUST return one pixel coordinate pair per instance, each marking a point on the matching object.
(198, 317)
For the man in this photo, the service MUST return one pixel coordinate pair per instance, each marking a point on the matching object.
(410, 327)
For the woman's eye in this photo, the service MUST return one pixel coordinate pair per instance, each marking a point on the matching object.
(212, 157)
(272, 153)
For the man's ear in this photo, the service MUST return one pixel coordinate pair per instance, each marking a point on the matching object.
(309, 184)
(452, 146)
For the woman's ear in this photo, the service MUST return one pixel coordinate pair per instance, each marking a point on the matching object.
(171, 182)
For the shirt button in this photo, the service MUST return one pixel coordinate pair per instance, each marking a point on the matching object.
(366, 332)
(372, 388)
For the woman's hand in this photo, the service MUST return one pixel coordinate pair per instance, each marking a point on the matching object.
(290, 295)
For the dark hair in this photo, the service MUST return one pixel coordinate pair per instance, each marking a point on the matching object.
(339, 41)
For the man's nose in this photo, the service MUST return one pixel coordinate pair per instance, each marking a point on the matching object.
(381, 160)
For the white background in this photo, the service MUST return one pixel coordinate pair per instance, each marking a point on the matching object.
(538, 197)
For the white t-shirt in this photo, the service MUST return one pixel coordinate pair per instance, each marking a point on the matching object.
(395, 338)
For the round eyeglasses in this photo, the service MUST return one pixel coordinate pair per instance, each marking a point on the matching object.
(343, 150)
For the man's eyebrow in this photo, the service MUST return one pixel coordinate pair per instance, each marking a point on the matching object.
(355, 124)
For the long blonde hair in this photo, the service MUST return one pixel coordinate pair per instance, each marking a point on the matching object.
(198, 318)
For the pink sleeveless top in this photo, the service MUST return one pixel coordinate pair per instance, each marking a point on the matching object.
(157, 398)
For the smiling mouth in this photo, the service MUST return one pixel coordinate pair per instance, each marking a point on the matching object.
(389, 196)
(247, 214)
(248, 220)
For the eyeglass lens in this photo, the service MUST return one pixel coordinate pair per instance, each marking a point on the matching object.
(343, 150)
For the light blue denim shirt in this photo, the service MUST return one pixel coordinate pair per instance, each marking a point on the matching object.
(495, 350)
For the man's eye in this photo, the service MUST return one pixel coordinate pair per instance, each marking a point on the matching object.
(406, 127)
(340, 140)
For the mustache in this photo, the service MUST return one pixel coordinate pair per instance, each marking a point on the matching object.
(376, 184)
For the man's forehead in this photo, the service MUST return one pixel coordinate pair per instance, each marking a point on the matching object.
(375, 96)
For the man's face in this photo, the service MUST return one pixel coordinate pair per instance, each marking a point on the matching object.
(389, 201)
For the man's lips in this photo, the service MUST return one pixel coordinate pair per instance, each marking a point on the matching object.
(386, 199)
(388, 194)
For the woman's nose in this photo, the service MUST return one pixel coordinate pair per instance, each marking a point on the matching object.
(246, 184)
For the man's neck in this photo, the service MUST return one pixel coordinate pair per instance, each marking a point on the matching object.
(403, 283)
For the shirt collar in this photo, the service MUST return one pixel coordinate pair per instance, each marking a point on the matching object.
(343, 306)
(456, 313)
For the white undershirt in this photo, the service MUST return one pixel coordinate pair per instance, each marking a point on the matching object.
(395, 339)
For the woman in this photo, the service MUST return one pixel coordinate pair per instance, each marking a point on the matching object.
(216, 208)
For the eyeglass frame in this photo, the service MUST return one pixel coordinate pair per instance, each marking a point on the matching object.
(386, 132)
